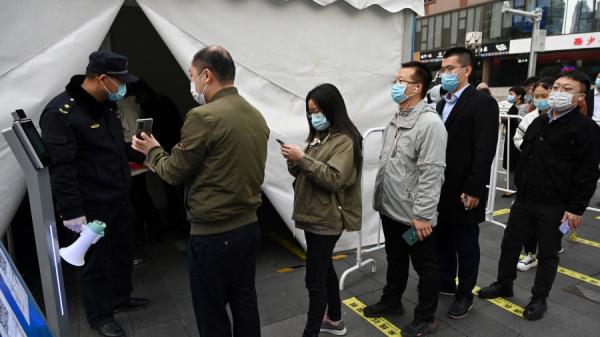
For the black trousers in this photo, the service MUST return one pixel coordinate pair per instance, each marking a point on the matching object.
(458, 253)
(526, 219)
(424, 261)
(530, 246)
(146, 221)
(222, 269)
(106, 274)
(321, 282)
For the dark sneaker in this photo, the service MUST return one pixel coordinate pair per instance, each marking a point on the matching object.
(381, 309)
(334, 329)
(536, 309)
(110, 329)
(460, 307)
(132, 304)
(419, 328)
(495, 290)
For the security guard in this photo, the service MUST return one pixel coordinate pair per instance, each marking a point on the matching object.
(91, 179)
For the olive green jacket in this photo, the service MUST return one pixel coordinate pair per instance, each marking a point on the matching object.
(327, 189)
(221, 162)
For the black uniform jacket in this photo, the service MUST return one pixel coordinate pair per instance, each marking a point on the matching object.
(559, 161)
(90, 160)
(472, 138)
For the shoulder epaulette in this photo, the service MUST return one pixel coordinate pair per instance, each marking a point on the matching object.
(66, 107)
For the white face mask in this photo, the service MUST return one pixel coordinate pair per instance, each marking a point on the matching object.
(561, 101)
(198, 97)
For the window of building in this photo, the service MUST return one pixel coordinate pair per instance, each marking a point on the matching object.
(580, 16)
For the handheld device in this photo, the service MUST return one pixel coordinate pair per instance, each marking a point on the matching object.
(564, 227)
(410, 236)
(143, 125)
(279, 141)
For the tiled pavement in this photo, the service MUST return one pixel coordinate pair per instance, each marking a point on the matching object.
(574, 306)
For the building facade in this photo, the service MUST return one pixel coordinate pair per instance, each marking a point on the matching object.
(572, 26)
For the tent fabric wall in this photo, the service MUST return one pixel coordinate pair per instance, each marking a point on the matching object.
(43, 44)
(282, 50)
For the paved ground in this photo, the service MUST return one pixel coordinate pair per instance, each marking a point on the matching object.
(574, 305)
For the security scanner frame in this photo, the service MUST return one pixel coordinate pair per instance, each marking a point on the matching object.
(33, 157)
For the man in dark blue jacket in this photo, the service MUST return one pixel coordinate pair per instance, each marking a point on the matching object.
(555, 180)
(91, 179)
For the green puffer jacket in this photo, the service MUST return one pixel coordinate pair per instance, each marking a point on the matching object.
(327, 189)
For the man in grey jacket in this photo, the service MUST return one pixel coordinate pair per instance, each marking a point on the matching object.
(407, 189)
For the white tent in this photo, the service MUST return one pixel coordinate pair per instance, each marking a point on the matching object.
(282, 49)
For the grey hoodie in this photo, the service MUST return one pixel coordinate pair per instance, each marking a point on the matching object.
(411, 166)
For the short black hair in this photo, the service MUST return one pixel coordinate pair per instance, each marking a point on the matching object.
(520, 91)
(577, 76)
(422, 75)
(218, 60)
(531, 81)
(465, 56)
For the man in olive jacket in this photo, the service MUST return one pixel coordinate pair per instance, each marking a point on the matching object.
(407, 189)
(221, 161)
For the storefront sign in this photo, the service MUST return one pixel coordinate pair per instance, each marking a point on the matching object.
(559, 42)
(431, 56)
(494, 49)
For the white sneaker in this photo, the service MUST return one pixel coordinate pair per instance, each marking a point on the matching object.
(527, 262)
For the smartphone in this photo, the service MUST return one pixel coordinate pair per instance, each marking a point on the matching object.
(410, 236)
(279, 141)
(564, 227)
(143, 125)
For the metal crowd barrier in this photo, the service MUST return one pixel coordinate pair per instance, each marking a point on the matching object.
(359, 249)
(494, 172)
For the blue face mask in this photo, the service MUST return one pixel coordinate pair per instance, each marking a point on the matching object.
(449, 81)
(119, 95)
(541, 104)
(511, 98)
(319, 121)
(598, 83)
(398, 92)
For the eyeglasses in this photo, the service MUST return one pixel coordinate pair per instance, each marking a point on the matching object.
(447, 69)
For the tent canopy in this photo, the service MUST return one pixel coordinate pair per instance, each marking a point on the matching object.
(282, 49)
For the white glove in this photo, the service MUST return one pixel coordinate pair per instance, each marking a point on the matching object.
(76, 225)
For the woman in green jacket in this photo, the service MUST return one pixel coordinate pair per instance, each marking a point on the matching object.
(327, 199)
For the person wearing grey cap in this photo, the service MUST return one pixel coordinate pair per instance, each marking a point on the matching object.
(90, 179)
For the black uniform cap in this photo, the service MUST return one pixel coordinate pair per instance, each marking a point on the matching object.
(111, 64)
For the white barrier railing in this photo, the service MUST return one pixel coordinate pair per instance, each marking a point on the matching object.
(359, 249)
(494, 172)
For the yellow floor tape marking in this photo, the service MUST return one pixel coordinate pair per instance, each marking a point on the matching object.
(295, 249)
(575, 275)
(504, 304)
(575, 238)
(579, 276)
(501, 212)
(380, 323)
(298, 251)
